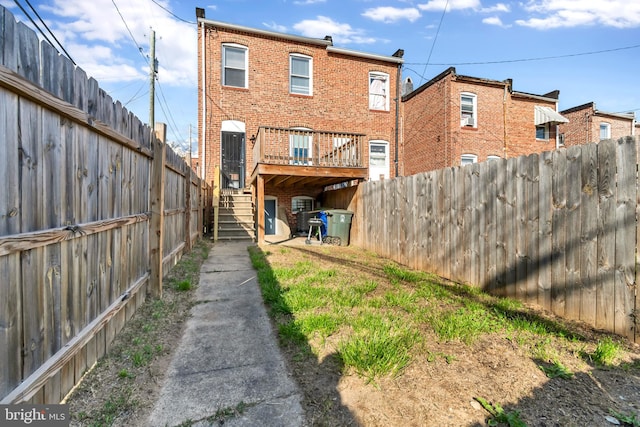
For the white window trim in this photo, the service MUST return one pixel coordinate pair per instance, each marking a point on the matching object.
(493, 157)
(464, 122)
(310, 76)
(246, 64)
(469, 157)
(607, 127)
(379, 75)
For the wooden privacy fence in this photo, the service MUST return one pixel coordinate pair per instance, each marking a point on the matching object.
(93, 208)
(556, 229)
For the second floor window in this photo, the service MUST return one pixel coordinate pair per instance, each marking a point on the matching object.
(300, 81)
(378, 91)
(605, 131)
(542, 131)
(234, 66)
(468, 110)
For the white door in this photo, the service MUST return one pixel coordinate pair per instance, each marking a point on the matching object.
(378, 160)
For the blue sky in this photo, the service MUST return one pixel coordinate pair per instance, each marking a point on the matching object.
(591, 48)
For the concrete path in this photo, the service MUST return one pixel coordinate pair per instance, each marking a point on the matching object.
(228, 357)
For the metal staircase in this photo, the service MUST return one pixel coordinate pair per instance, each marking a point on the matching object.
(235, 216)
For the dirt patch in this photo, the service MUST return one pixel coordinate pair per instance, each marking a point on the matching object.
(122, 388)
(439, 387)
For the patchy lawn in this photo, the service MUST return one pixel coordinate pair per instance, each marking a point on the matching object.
(373, 343)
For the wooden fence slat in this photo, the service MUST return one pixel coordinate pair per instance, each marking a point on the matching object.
(559, 203)
(501, 227)
(467, 221)
(625, 288)
(589, 217)
(533, 227)
(545, 223)
(430, 218)
(521, 229)
(490, 224)
(9, 175)
(456, 220)
(476, 220)
(606, 235)
(573, 235)
(11, 319)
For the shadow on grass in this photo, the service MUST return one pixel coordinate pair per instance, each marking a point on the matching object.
(317, 380)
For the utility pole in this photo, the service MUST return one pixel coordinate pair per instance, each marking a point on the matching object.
(152, 81)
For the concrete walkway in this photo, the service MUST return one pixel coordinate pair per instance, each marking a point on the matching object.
(228, 357)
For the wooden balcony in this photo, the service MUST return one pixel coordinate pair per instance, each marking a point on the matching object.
(286, 157)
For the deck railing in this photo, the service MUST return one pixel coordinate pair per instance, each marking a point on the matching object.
(285, 146)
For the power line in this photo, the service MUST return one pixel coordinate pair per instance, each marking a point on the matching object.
(434, 41)
(171, 13)
(42, 32)
(51, 32)
(541, 58)
(130, 33)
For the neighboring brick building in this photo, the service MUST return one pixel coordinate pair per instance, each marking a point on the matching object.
(587, 124)
(454, 119)
(289, 115)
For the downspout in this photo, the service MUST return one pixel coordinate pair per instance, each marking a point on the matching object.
(504, 121)
(204, 106)
(398, 77)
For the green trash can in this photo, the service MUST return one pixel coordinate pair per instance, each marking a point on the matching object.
(339, 224)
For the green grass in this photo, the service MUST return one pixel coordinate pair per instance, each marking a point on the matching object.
(498, 415)
(606, 352)
(377, 322)
(557, 370)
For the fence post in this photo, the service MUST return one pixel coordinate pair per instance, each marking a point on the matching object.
(156, 233)
(187, 208)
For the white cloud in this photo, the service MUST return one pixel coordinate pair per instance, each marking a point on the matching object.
(100, 43)
(324, 26)
(495, 20)
(275, 27)
(499, 7)
(392, 14)
(306, 2)
(439, 5)
(568, 13)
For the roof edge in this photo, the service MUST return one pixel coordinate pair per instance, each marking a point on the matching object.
(387, 58)
(309, 40)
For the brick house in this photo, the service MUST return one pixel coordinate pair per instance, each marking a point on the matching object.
(454, 119)
(285, 116)
(588, 124)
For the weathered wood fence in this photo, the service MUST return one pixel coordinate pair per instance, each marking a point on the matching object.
(556, 229)
(94, 207)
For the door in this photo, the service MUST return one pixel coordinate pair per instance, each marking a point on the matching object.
(233, 152)
(270, 216)
(378, 160)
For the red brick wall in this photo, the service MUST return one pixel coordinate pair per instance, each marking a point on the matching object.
(424, 129)
(578, 130)
(521, 127)
(432, 135)
(584, 126)
(284, 196)
(487, 137)
(340, 100)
